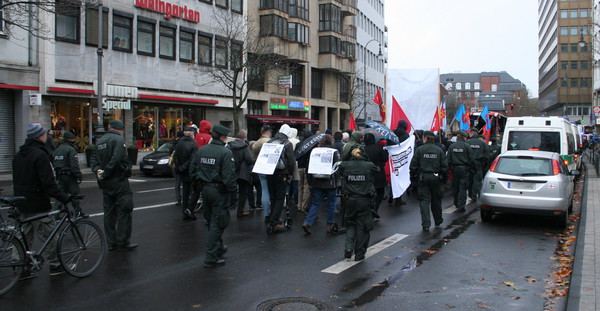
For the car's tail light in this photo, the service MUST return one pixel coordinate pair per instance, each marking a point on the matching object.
(493, 166)
(555, 167)
(576, 156)
(566, 162)
(534, 149)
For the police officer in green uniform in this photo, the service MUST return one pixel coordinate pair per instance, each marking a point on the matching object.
(495, 149)
(213, 170)
(430, 165)
(66, 167)
(481, 154)
(460, 161)
(113, 169)
(358, 191)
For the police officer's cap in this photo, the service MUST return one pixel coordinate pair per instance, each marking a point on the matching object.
(220, 129)
(68, 135)
(463, 134)
(429, 134)
(481, 136)
(116, 124)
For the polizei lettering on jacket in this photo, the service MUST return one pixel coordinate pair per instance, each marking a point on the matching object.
(475, 146)
(209, 161)
(430, 156)
(458, 150)
(357, 178)
(169, 10)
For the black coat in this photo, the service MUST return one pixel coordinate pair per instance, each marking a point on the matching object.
(243, 159)
(183, 155)
(33, 178)
(288, 153)
(379, 157)
(402, 134)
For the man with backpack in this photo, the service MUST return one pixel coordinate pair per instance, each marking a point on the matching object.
(183, 154)
(282, 176)
(243, 159)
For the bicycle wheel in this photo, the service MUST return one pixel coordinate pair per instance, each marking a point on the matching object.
(12, 262)
(81, 248)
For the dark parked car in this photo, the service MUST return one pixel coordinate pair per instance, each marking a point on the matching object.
(157, 162)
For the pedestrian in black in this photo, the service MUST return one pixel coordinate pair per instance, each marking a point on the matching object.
(243, 160)
(495, 149)
(177, 176)
(460, 161)
(66, 167)
(358, 191)
(481, 154)
(183, 156)
(379, 157)
(50, 141)
(213, 170)
(337, 142)
(113, 169)
(280, 179)
(33, 178)
(430, 165)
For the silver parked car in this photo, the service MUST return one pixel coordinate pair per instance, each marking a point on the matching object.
(528, 182)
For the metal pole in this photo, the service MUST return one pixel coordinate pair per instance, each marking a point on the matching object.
(100, 52)
(365, 83)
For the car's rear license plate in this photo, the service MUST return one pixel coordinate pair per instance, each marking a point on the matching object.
(521, 185)
(148, 167)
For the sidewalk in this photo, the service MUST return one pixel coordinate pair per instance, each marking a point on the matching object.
(584, 294)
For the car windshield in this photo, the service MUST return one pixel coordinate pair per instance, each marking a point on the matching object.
(524, 166)
(534, 140)
(164, 148)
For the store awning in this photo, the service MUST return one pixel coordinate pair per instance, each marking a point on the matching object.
(282, 119)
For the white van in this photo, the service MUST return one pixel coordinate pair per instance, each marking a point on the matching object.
(578, 145)
(553, 134)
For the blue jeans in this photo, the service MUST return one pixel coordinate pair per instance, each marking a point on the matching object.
(266, 204)
(318, 196)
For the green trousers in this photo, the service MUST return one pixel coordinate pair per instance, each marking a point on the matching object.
(216, 212)
(359, 222)
(475, 182)
(460, 177)
(430, 199)
(118, 206)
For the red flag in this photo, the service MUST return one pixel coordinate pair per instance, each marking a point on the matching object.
(466, 119)
(379, 102)
(397, 115)
(352, 124)
(436, 123)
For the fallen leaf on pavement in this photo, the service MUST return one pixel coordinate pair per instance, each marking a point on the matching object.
(483, 305)
(509, 283)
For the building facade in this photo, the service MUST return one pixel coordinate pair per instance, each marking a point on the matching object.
(500, 91)
(565, 58)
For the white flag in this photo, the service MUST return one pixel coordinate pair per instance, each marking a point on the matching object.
(399, 165)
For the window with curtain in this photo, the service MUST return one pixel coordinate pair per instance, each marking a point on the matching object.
(91, 27)
(330, 18)
(205, 49)
(221, 55)
(166, 41)
(67, 21)
(122, 33)
(145, 37)
(186, 45)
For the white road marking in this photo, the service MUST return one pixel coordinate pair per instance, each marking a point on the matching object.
(137, 180)
(139, 208)
(153, 190)
(450, 210)
(371, 251)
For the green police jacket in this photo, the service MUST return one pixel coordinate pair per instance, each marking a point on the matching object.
(65, 160)
(429, 158)
(357, 176)
(214, 163)
(110, 155)
(481, 151)
(460, 154)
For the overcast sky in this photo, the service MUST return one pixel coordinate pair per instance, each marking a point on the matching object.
(467, 36)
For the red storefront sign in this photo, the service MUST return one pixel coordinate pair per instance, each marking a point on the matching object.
(169, 10)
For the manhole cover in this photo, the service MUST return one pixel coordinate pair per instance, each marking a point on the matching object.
(293, 304)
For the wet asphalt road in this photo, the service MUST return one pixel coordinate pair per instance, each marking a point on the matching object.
(460, 266)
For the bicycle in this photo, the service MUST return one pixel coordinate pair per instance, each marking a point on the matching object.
(81, 245)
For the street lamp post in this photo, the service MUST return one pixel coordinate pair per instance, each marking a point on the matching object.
(100, 52)
(365, 76)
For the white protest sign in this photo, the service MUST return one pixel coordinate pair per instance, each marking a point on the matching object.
(321, 161)
(267, 159)
(399, 164)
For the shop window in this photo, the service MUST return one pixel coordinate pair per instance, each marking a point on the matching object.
(67, 21)
(237, 6)
(297, 72)
(221, 53)
(145, 37)
(221, 3)
(186, 45)
(167, 40)
(330, 18)
(122, 31)
(316, 86)
(205, 49)
(91, 26)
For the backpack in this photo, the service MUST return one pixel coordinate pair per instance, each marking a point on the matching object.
(237, 157)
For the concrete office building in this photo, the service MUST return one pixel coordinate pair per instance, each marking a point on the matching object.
(565, 59)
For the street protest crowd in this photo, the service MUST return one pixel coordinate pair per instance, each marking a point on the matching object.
(279, 174)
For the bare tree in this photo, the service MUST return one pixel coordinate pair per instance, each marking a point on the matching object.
(27, 15)
(241, 58)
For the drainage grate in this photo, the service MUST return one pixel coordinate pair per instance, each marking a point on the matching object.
(293, 304)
